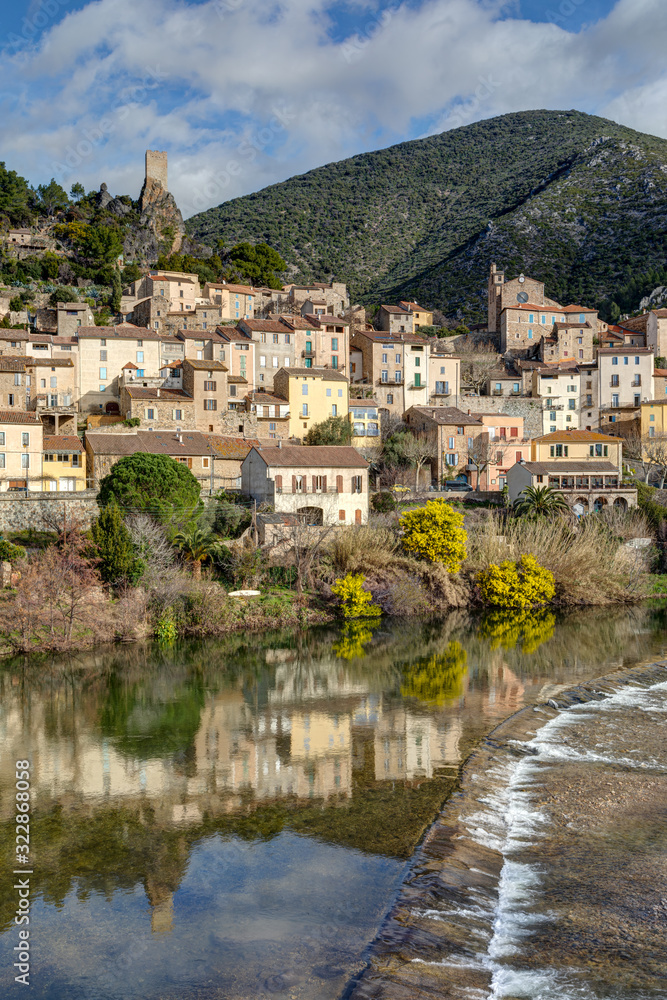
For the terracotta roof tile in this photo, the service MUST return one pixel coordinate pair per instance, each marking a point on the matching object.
(62, 442)
(313, 456)
(18, 417)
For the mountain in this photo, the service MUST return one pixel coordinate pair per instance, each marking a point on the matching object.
(575, 200)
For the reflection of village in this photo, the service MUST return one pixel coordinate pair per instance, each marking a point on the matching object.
(316, 728)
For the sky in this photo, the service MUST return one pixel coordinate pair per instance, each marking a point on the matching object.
(245, 93)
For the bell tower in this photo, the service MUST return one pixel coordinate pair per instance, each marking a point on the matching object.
(494, 309)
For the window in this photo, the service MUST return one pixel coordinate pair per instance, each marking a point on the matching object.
(459, 430)
(651, 431)
(614, 361)
(304, 409)
(177, 414)
(530, 318)
(150, 414)
(25, 439)
(275, 362)
(440, 388)
(102, 389)
(288, 338)
(140, 372)
(652, 417)
(614, 399)
(25, 461)
(385, 376)
(397, 376)
(319, 483)
(210, 404)
(356, 484)
(75, 461)
(638, 399)
(304, 389)
(390, 397)
(103, 373)
(262, 361)
(384, 359)
(298, 484)
(210, 386)
(530, 334)
(636, 360)
(418, 380)
(450, 442)
(328, 392)
(275, 338)
(334, 343)
(341, 514)
(140, 356)
(451, 460)
(626, 360)
(42, 383)
(103, 342)
(514, 432)
(2, 460)
(334, 361)
(2, 439)
(571, 404)
(614, 380)
(334, 410)
(53, 382)
(398, 359)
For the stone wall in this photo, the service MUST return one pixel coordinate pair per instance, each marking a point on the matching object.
(514, 406)
(46, 511)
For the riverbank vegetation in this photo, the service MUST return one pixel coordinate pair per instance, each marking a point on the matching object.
(147, 568)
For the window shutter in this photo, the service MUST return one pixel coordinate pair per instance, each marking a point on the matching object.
(293, 484)
(324, 484)
(514, 432)
(339, 484)
(361, 484)
(279, 482)
(314, 483)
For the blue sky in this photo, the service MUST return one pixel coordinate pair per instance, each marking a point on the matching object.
(244, 93)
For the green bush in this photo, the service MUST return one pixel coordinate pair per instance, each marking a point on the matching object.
(9, 552)
(525, 584)
(383, 502)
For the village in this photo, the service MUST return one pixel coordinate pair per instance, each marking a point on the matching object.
(237, 382)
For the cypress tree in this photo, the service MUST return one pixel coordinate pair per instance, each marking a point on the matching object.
(118, 563)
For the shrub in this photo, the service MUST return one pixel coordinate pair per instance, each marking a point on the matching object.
(355, 602)
(527, 627)
(364, 548)
(118, 563)
(9, 552)
(383, 502)
(353, 639)
(165, 627)
(156, 484)
(517, 585)
(435, 532)
(437, 679)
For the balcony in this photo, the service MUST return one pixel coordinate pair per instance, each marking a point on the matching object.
(412, 385)
(53, 405)
(308, 354)
(497, 392)
(556, 406)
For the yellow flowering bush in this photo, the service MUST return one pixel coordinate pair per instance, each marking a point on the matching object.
(355, 602)
(435, 532)
(517, 585)
(353, 639)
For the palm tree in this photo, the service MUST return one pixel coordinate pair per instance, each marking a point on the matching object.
(541, 500)
(196, 545)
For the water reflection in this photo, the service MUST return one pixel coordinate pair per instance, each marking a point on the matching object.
(253, 800)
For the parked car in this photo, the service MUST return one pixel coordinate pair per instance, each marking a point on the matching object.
(458, 485)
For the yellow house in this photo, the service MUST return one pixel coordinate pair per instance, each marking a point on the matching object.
(653, 416)
(577, 446)
(421, 316)
(64, 463)
(313, 394)
(365, 421)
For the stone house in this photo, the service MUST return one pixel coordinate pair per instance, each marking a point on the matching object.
(275, 346)
(13, 383)
(201, 345)
(396, 366)
(235, 301)
(656, 332)
(272, 414)
(53, 393)
(453, 433)
(64, 463)
(158, 407)
(171, 349)
(103, 350)
(569, 341)
(660, 383)
(625, 380)
(105, 448)
(228, 455)
(444, 377)
(630, 336)
(21, 437)
(503, 293)
(313, 395)
(237, 352)
(567, 331)
(206, 383)
(502, 443)
(70, 316)
(13, 342)
(365, 420)
(324, 484)
(333, 295)
(395, 319)
(320, 341)
(505, 379)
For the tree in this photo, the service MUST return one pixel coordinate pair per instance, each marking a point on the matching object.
(118, 563)
(64, 293)
(639, 448)
(15, 196)
(116, 291)
(435, 532)
(419, 450)
(655, 450)
(77, 191)
(475, 374)
(257, 263)
(131, 272)
(481, 455)
(333, 430)
(541, 500)
(197, 545)
(153, 484)
(52, 197)
(15, 303)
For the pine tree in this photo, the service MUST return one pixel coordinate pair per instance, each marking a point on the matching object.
(118, 563)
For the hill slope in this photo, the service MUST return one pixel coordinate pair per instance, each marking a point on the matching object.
(575, 200)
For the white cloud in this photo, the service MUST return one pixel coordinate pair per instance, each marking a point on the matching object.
(243, 93)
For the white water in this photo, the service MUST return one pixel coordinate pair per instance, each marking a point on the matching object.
(508, 822)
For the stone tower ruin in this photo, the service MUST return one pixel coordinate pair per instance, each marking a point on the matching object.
(156, 169)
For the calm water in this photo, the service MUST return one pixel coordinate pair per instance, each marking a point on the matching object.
(233, 819)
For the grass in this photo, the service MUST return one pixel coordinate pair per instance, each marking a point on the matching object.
(657, 584)
(589, 562)
(29, 538)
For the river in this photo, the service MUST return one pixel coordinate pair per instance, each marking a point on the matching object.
(234, 819)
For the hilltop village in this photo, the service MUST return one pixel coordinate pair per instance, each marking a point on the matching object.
(238, 382)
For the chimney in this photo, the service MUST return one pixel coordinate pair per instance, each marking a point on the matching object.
(280, 444)
(158, 392)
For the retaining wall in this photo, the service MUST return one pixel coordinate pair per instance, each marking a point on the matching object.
(47, 511)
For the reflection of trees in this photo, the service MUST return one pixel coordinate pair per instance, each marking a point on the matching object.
(437, 679)
(507, 629)
(353, 638)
